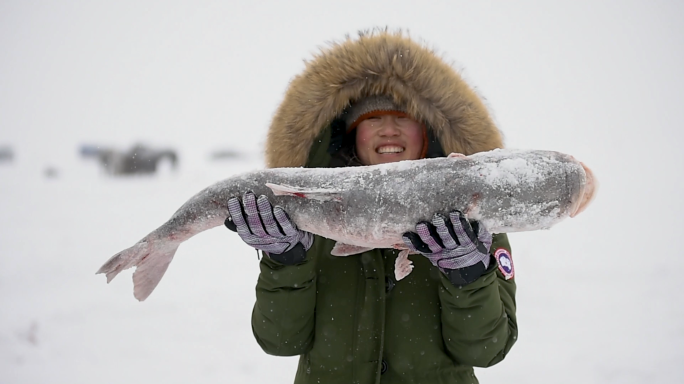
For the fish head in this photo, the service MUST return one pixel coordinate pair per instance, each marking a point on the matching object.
(588, 193)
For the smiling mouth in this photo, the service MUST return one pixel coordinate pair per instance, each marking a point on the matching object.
(389, 149)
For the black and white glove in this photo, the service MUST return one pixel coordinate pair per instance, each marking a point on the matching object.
(268, 229)
(458, 247)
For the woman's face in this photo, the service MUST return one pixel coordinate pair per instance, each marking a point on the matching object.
(388, 138)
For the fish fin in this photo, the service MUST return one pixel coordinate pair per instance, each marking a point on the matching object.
(320, 194)
(123, 260)
(150, 261)
(402, 265)
(342, 249)
(150, 271)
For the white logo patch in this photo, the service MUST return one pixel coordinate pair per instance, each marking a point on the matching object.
(505, 262)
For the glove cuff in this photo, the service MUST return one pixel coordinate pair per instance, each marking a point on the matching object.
(466, 275)
(296, 255)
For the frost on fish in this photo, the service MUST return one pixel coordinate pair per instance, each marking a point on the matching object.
(372, 206)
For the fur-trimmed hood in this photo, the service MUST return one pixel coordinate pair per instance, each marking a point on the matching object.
(378, 62)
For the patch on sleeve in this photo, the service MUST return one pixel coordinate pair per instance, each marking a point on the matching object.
(505, 263)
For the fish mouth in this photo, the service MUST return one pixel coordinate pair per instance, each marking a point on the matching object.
(389, 149)
(589, 191)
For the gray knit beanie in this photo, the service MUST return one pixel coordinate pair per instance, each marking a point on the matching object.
(370, 106)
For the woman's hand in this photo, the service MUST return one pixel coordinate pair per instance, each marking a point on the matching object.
(456, 246)
(266, 228)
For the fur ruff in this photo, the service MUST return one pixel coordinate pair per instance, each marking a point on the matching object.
(379, 62)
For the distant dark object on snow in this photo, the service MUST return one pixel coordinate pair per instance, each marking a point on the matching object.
(226, 154)
(50, 172)
(140, 159)
(6, 154)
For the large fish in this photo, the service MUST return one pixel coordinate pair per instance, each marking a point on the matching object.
(372, 206)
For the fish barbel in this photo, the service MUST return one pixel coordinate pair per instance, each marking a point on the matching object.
(372, 206)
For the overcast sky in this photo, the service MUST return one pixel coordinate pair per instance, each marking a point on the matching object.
(198, 73)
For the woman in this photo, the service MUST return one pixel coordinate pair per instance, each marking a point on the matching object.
(376, 99)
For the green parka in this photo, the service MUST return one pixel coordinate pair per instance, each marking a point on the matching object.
(347, 317)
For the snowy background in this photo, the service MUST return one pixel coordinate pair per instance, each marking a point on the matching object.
(600, 297)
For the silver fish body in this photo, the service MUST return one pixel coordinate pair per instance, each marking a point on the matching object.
(372, 206)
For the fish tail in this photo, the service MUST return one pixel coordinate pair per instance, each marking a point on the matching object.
(151, 260)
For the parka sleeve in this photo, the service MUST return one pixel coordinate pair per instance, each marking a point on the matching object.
(283, 315)
(478, 320)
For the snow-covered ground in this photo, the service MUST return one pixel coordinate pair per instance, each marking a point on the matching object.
(600, 296)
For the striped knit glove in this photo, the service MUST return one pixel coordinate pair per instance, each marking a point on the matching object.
(456, 246)
(268, 229)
